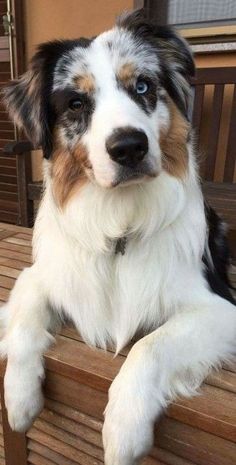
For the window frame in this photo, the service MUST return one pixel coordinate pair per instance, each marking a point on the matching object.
(158, 11)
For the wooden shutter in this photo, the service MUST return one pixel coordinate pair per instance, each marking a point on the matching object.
(8, 172)
(13, 197)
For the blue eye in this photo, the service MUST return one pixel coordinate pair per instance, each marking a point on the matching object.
(141, 87)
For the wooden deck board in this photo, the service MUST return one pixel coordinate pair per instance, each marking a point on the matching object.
(201, 430)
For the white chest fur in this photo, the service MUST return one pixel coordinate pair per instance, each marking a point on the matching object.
(112, 296)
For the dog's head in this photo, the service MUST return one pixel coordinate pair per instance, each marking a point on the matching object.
(112, 109)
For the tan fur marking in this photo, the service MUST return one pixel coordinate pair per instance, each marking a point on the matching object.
(126, 73)
(85, 83)
(173, 143)
(68, 173)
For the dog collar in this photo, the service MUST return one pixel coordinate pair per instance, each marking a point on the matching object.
(121, 245)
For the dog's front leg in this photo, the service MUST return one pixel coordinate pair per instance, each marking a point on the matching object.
(26, 338)
(171, 361)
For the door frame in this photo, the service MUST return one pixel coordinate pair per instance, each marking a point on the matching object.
(156, 10)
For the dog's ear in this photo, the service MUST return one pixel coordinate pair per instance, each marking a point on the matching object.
(175, 56)
(28, 98)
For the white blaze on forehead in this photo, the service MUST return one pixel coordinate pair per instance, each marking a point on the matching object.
(104, 57)
(113, 108)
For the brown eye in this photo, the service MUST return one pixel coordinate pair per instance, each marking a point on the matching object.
(75, 104)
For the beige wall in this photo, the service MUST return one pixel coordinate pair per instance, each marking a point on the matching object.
(54, 19)
(215, 60)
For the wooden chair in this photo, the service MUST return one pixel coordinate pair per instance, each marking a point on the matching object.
(214, 120)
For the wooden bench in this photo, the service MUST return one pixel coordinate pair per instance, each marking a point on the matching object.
(199, 431)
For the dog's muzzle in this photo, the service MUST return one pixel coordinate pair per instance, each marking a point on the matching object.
(127, 146)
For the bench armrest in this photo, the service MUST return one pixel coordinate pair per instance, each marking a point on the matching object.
(18, 147)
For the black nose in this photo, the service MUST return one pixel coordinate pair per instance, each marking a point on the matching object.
(127, 146)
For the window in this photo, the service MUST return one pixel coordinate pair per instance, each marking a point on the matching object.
(201, 13)
(201, 21)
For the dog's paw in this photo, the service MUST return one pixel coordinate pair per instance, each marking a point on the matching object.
(130, 414)
(23, 399)
(127, 433)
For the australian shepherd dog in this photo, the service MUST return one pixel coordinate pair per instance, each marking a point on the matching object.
(123, 244)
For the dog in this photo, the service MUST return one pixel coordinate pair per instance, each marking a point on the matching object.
(123, 244)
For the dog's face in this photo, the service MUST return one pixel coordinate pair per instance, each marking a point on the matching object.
(107, 109)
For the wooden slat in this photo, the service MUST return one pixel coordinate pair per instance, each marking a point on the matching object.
(198, 105)
(193, 444)
(206, 76)
(4, 77)
(9, 179)
(4, 41)
(99, 370)
(89, 435)
(6, 282)
(69, 438)
(231, 148)
(70, 426)
(16, 264)
(63, 448)
(24, 235)
(214, 411)
(224, 204)
(5, 67)
(6, 125)
(4, 294)
(76, 395)
(8, 217)
(7, 187)
(169, 458)
(73, 414)
(224, 379)
(6, 271)
(19, 241)
(214, 132)
(4, 234)
(24, 170)
(18, 248)
(36, 459)
(7, 169)
(6, 134)
(9, 196)
(4, 115)
(50, 454)
(4, 54)
(15, 256)
(16, 229)
(6, 161)
(8, 205)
